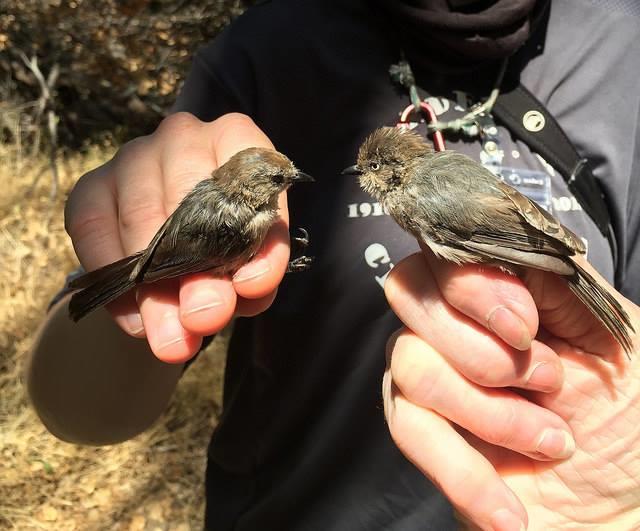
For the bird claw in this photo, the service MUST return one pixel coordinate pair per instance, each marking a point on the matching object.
(301, 242)
(302, 263)
(298, 246)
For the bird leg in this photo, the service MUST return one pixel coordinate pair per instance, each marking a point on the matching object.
(298, 246)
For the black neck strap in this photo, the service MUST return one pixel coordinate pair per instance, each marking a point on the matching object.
(528, 120)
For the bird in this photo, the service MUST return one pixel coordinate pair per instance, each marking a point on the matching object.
(465, 214)
(218, 226)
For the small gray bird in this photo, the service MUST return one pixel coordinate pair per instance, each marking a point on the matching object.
(465, 214)
(219, 226)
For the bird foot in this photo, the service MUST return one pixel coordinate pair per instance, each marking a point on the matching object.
(301, 263)
(298, 246)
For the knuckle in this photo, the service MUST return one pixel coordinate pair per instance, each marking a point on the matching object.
(501, 426)
(227, 129)
(486, 373)
(233, 120)
(413, 372)
(133, 214)
(133, 153)
(178, 124)
(87, 224)
(400, 275)
(78, 209)
(181, 184)
(454, 286)
(133, 148)
(194, 165)
(418, 384)
(480, 371)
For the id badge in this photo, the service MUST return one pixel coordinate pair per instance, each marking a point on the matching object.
(536, 185)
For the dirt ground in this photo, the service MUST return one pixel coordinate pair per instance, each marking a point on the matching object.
(154, 482)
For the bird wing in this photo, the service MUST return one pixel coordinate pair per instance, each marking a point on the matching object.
(145, 256)
(524, 233)
(207, 234)
(472, 211)
(201, 249)
(540, 220)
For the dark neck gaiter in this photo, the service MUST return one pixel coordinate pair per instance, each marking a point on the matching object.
(458, 35)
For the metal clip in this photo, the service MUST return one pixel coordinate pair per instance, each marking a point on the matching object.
(429, 113)
(490, 138)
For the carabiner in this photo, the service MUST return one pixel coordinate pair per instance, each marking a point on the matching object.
(427, 110)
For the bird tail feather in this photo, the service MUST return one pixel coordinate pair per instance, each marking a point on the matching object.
(101, 287)
(604, 306)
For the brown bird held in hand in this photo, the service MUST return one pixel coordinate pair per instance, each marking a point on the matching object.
(219, 226)
(463, 213)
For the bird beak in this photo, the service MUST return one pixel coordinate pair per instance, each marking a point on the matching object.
(302, 177)
(352, 170)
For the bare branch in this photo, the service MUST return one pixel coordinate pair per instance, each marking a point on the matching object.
(45, 102)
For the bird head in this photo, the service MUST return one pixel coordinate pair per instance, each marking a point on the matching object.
(258, 175)
(384, 159)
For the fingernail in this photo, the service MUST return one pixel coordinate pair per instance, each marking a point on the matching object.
(252, 270)
(387, 395)
(134, 324)
(505, 520)
(203, 300)
(543, 377)
(502, 319)
(556, 444)
(170, 332)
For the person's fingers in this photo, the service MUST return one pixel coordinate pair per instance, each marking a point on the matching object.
(160, 310)
(154, 173)
(186, 156)
(234, 132)
(207, 303)
(471, 348)
(261, 276)
(492, 298)
(117, 210)
(498, 416)
(191, 150)
(126, 314)
(139, 194)
(564, 316)
(465, 477)
(91, 220)
(252, 307)
(264, 272)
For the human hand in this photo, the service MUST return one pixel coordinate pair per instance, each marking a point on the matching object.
(470, 412)
(116, 209)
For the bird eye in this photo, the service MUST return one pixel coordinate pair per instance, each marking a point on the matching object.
(278, 179)
(375, 166)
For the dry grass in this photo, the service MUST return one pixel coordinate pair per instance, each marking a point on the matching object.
(153, 482)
